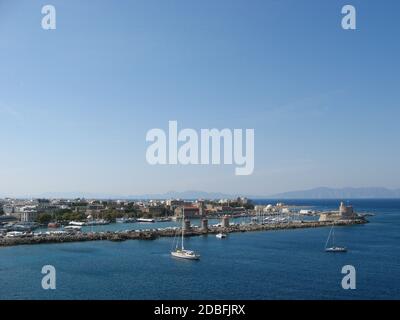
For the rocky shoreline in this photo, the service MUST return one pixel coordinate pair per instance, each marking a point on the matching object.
(167, 232)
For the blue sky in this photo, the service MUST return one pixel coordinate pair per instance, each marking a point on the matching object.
(76, 102)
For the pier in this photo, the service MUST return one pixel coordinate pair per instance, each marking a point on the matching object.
(152, 234)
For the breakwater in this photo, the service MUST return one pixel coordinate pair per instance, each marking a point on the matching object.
(152, 234)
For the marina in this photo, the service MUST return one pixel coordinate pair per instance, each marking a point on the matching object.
(192, 217)
(151, 234)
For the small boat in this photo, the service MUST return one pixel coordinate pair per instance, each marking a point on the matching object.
(73, 228)
(336, 249)
(57, 232)
(125, 220)
(97, 222)
(185, 254)
(333, 248)
(181, 252)
(77, 223)
(221, 235)
(14, 234)
(53, 225)
(163, 220)
(145, 220)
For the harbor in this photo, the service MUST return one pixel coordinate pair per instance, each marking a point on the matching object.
(156, 219)
(152, 234)
(268, 259)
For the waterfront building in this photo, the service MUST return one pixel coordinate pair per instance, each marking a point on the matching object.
(154, 211)
(228, 210)
(285, 211)
(28, 213)
(95, 207)
(242, 200)
(344, 213)
(202, 208)
(190, 211)
(8, 209)
(174, 202)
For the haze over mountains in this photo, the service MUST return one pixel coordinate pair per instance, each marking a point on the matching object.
(340, 193)
(167, 195)
(315, 193)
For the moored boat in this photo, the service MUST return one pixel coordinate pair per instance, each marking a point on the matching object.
(336, 249)
(181, 252)
(333, 248)
(163, 220)
(97, 222)
(185, 254)
(145, 220)
(125, 220)
(73, 228)
(77, 223)
(53, 225)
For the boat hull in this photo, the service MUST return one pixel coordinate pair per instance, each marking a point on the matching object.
(145, 220)
(336, 249)
(183, 255)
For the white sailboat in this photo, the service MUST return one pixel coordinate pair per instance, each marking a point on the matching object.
(221, 235)
(181, 252)
(333, 248)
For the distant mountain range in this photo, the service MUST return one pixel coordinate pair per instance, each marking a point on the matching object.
(190, 194)
(168, 195)
(340, 193)
(315, 193)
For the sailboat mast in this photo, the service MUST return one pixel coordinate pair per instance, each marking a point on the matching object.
(183, 223)
(329, 236)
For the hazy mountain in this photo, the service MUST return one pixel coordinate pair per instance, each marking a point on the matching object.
(316, 193)
(191, 194)
(64, 195)
(340, 193)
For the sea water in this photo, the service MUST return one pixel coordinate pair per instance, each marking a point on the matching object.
(282, 264)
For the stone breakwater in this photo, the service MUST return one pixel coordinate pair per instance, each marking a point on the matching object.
(153, 234)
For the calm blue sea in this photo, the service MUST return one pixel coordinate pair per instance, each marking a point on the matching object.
(289, 264)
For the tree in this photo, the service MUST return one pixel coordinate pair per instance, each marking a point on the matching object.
(69, 216)
(44, 218)
(249, 206)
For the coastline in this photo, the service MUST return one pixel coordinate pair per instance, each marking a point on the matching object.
(152, 234)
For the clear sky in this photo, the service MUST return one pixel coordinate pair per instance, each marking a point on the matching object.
(76, 102)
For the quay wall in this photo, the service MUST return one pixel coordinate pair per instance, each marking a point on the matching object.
(167, 232)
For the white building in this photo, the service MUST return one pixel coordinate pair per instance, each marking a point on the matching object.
(344, 213)
(28, 213)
